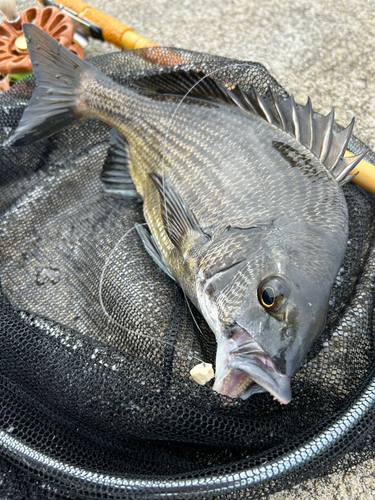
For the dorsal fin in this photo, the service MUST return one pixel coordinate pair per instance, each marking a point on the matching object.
(181, 82)
(306, 118)
(323, 135)
(314, 133)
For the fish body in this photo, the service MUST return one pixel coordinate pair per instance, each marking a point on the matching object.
(243, 202)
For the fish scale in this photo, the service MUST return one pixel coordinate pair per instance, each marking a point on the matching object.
(242, 195)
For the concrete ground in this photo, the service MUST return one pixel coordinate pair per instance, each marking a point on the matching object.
(321, 49)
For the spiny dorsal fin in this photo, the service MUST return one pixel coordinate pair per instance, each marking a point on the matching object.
(339, 143)
(323, 135)
(252, 101)
(180, 83)
(346, 166)
(314, 133)
(306, 124)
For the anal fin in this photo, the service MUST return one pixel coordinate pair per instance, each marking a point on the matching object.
(115, 176)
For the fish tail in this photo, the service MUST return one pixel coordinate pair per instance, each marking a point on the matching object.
(58, 100)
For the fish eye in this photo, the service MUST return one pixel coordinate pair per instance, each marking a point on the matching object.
(268, 297)
(272, 293)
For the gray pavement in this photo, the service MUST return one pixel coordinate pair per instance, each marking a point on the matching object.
(321, 49)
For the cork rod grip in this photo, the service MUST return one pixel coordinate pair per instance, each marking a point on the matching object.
(366, 174)
(113, 30)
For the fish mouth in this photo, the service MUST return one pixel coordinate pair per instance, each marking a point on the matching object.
(247, 369)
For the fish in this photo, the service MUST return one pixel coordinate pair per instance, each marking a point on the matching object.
(242, 196)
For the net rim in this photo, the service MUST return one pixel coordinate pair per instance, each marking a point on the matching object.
(189, 488)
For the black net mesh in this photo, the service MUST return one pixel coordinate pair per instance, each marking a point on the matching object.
(96, 343)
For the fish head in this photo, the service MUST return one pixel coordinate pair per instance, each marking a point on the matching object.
(266, 301)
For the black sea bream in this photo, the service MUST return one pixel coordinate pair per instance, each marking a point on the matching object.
(243, 201)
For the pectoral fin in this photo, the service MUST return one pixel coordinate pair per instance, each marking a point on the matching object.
(178, 219)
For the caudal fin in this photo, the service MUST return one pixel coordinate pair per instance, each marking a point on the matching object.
(53, 104)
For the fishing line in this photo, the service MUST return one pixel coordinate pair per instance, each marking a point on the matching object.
(167, 227)
(150, 337)
(163, 163)
(196, 324)
(172, 118)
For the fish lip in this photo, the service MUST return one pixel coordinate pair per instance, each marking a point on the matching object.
(250, 359)
(265, 376)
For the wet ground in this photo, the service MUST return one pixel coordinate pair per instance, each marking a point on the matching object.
(325, 50)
